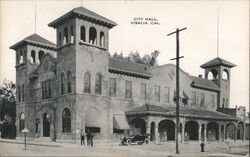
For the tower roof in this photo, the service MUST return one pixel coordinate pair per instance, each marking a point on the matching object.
(83, 13)
(35, 39)
(216, 62)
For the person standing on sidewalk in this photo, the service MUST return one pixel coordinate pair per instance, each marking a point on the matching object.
(82, 133)
(91, 139)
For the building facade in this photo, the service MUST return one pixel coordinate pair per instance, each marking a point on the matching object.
(74, 84)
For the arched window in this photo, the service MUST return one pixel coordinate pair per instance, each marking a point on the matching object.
(59, 39)
(87, 82)
(66, 121)
(22, 92)
(98, 84)
(212, 74)
(65, 36)
(19, 94)
(40, 55)
(225, 74)
(92, 35)
(21, 122)
(33, 56)
(102, 39)
(83, 34)
(62, 83)
(21, 57)
(71, 34)
(69, 82)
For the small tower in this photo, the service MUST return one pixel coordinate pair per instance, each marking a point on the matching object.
(218, 70)
(29, 53)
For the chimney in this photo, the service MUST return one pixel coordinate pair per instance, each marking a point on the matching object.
(200, 76)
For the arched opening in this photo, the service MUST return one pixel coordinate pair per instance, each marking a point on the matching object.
(65, 36)
(59, 39)
(225, 74)
(21, 122)
(71, 34)
(191, 130)
(87, 82)
(166, 130)
(92, 122)
(19, 94)
(212, 131)
(33, 57)
(40, 56)
(230, 131)
(66, 121)
(98, 84)
(152, 131)
(212, 74)
(92, 35)
(240, 131)
(21, 58)
(69, 82)
(83, 34)
(46, 125)
(62, 83)
(102, 39)
(138, 126)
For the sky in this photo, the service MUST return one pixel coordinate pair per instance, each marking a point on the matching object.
(198, 43)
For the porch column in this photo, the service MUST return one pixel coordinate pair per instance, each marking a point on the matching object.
(156, 134)
(148, 128)
(199, 138)
(219, 133)
(224, 133)
(243, 136)
(235, 132)
(205, 133)
(182, 132)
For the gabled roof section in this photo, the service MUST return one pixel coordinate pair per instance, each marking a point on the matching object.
(204, 84)
(86, 14)
(216, 62)
(35, 39)
(129, 68)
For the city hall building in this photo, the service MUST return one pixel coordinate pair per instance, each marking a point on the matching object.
(75, 84)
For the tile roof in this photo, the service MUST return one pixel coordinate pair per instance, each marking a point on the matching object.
(204, 83)
(128, 68)
(35, 39)
(217, 61)
(171, 111)
(81, 11)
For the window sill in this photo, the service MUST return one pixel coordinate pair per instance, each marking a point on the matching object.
(88, 44)
(20, 64)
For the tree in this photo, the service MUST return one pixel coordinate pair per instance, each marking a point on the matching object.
(7, 109)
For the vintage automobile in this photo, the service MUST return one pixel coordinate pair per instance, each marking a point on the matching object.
(135, 139)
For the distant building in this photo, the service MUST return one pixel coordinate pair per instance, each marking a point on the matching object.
(74, 84)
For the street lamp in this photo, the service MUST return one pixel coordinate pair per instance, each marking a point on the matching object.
(25, 131)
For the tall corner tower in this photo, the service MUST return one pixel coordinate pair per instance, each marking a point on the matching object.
(218, 70)
(82, 42)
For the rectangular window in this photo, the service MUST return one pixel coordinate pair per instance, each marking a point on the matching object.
(128, 89)
(193, 99)
(202, 100)
(112, 87)
(166, 94)
(118, 131)
(212, 100)
(157, 93)
(143, 91)
(46, 89)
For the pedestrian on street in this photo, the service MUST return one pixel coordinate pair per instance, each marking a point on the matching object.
(82, 133)
(88, 137)
(91, 139)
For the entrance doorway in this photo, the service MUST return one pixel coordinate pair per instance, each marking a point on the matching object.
(46, 125)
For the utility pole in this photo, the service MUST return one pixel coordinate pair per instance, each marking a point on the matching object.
(177, 87)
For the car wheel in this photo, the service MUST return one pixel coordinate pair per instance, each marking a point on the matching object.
(129, 141)
(147, 141)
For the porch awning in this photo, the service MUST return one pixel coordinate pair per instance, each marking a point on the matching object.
(119, 122)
